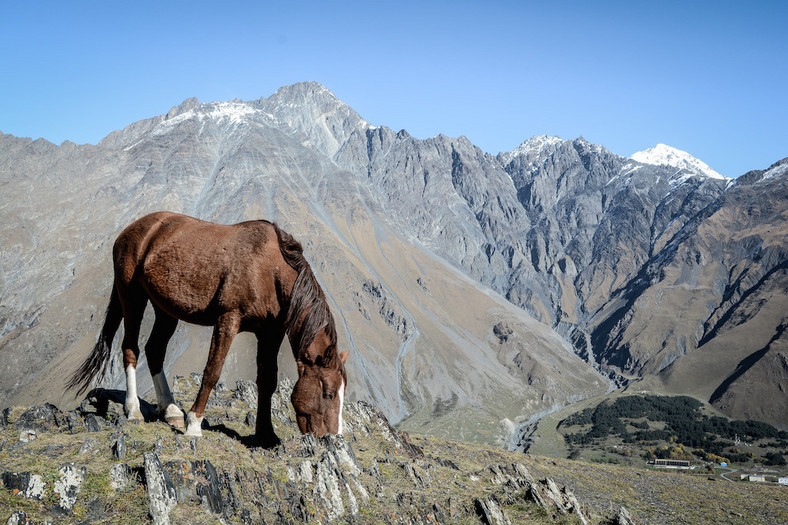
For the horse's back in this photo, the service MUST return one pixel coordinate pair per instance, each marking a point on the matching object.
(134, 241)
(160, 229)
(186, 265)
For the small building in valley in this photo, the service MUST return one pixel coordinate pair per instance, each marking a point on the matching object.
(671, 463)
(760, 478)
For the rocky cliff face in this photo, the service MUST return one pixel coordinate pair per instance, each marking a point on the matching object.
(602, 268)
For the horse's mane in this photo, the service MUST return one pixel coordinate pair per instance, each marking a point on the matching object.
(308, 312)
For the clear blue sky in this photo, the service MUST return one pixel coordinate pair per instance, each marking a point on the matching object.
(709, 78)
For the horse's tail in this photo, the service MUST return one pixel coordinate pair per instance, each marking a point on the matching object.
(97, 362)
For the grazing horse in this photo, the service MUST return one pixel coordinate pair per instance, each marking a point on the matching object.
(250, 277)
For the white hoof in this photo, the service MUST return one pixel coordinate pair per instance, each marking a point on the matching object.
(134, 415)
(193, 425)
(173, 415)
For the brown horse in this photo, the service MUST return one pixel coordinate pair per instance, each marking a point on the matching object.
(250, 277)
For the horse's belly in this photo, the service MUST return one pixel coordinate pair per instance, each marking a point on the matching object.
(186, 292)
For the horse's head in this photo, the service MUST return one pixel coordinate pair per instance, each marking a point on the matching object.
(319, 392)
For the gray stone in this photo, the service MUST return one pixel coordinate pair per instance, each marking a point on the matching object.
(489, 512)
(68, 485)
(246, 391)
(92, 423)
(27, 435)
(4, 415)
(72, 421)
(119, 476)
(546, 494)
(196, 480)
(29, 485)
(327, 487)
(38, 418)
(308, 445)
(119, 446)
(417, 476)
(19, 517)
(162, 495)
(87, 446)
(623, 517)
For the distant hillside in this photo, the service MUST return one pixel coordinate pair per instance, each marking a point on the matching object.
(667, 427)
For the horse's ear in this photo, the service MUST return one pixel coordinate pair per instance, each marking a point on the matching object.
(343, 356)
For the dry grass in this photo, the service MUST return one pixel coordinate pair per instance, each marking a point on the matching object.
(655, 497)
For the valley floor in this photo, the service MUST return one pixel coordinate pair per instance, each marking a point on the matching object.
(665, 496)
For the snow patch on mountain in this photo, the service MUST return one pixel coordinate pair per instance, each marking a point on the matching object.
(533, 146)
(663, 155)
(233, 113)
(626, 171)
(779, 169)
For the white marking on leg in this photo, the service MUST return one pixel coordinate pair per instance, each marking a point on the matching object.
(166, 408)
(341, 403)
(132, 402)
(193, 425)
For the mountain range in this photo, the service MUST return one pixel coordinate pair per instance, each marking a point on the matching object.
(473, 291)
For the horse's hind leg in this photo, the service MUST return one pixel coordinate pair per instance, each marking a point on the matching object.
(155, 350)
(133, 306)
(223, 334)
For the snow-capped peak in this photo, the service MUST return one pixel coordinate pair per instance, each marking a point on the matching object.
(663, 155)
(533, 145)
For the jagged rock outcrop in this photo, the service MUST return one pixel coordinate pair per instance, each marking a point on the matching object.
(622, 518)
(162, 496)
(489, 512)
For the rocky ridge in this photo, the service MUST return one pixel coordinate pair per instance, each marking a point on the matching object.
(90, 464)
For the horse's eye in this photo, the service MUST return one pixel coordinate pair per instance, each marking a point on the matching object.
(328, 395)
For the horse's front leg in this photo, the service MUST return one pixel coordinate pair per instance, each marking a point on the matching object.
(224, 331)
(267, 349)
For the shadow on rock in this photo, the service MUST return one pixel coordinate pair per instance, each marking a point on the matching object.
(249, 441)
(108, 403)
